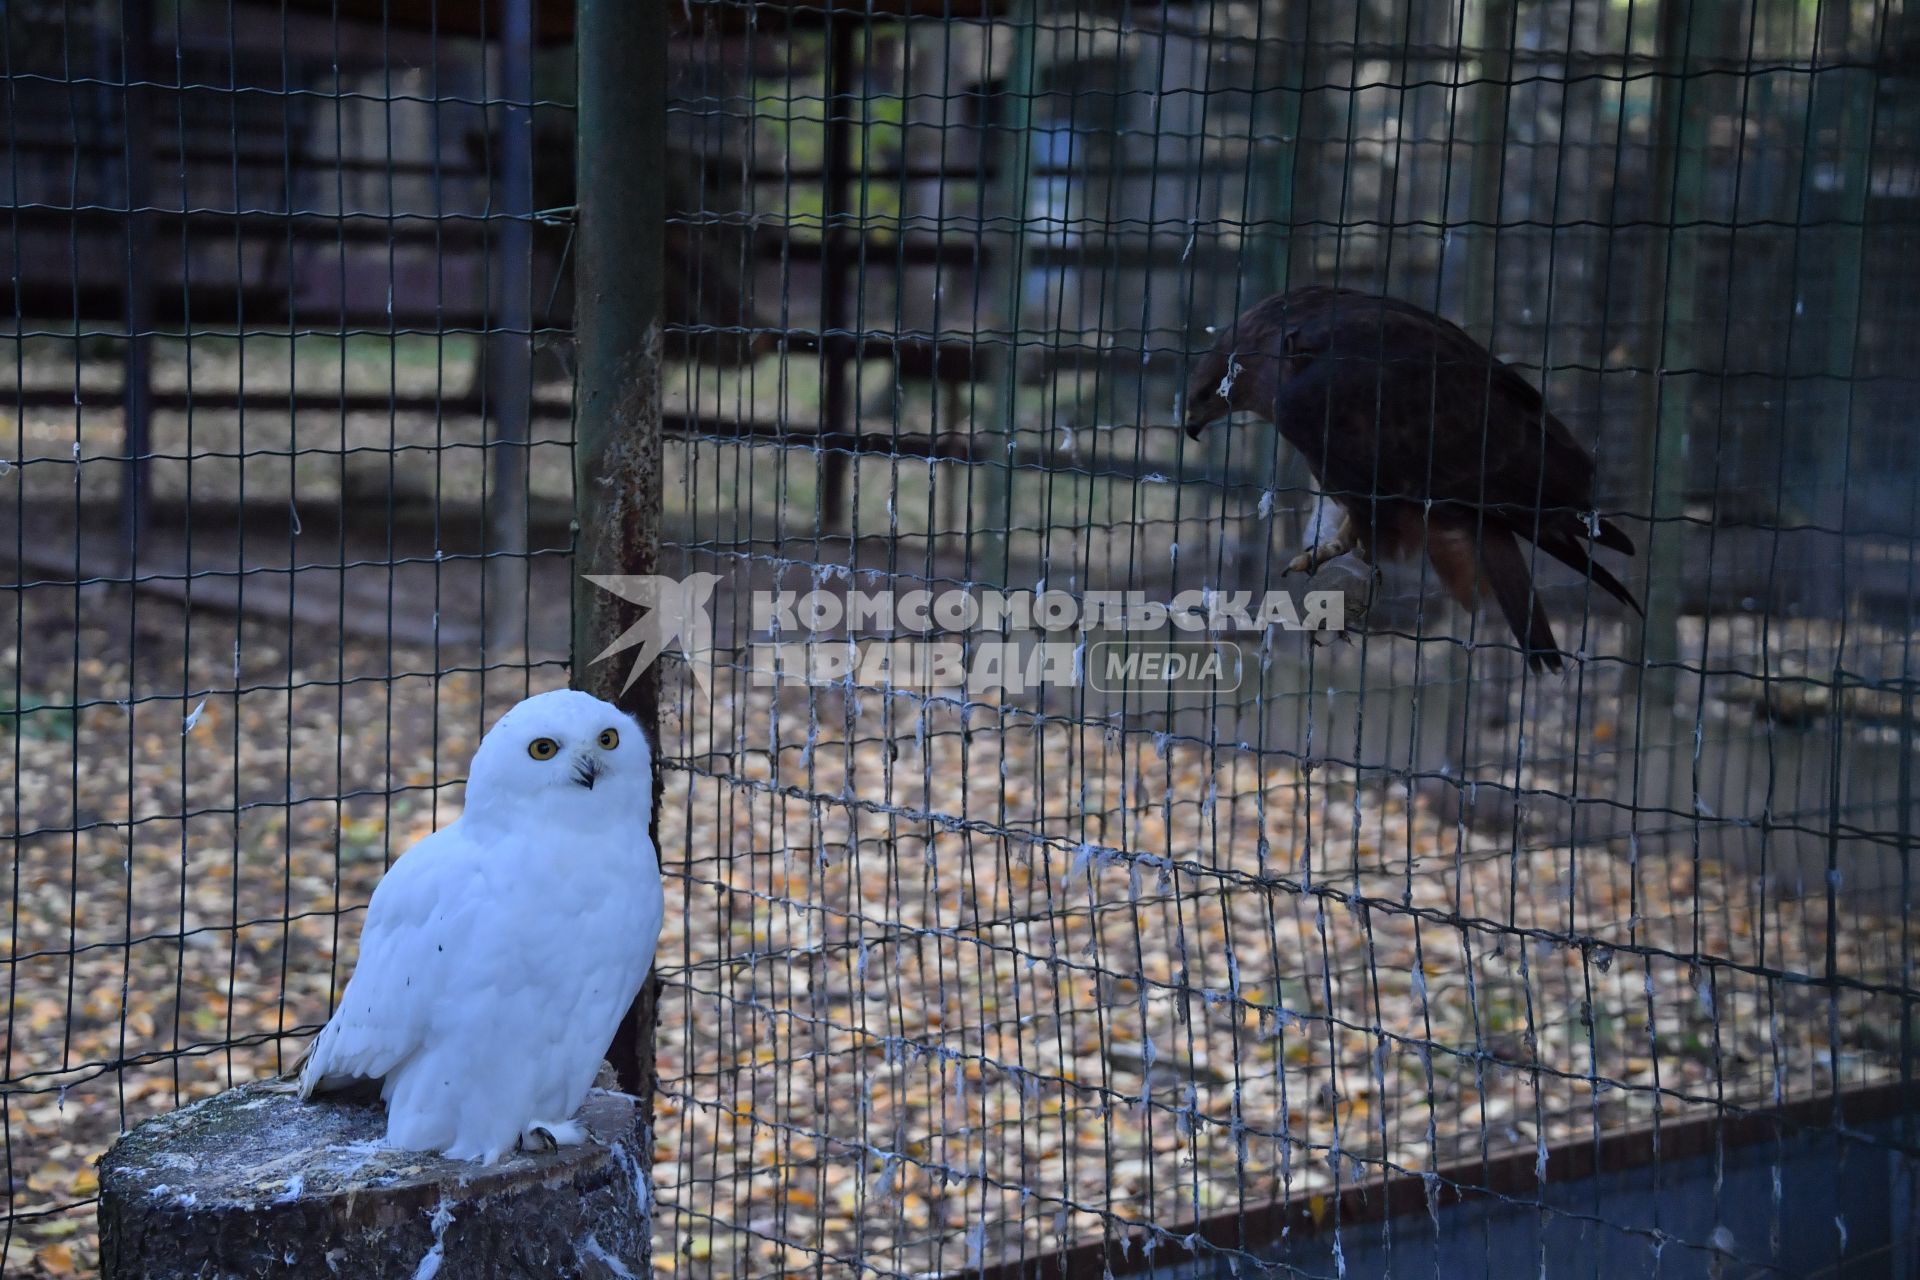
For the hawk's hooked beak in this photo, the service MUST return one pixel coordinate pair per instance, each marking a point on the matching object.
(586, 771)
(1201, 414)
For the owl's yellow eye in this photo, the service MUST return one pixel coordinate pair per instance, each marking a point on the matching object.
(543, 748)
(609, 739)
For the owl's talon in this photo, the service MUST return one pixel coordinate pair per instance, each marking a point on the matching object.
(551, 1135)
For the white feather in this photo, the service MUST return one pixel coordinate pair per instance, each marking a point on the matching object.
(499, 953)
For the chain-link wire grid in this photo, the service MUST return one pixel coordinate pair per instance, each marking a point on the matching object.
(285, 482)
(1064, 982)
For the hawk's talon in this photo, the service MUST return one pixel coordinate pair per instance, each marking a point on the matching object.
(1310, 560)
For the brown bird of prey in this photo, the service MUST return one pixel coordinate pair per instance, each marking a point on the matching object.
(1425, 441)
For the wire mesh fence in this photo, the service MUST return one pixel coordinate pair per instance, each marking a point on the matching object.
(1326, 960)
(1069, 978)
(285, 525)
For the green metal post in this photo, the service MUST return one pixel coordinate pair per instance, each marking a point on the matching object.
(839, 244)
(1687, 32)
(1488, 129)
(509, 349)
(1842, 101)
(619, 259)
(1013, 156)
(1270, 199)
(137, 22)
(1279, 174)
(1302, 121)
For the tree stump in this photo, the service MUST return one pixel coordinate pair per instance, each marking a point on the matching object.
(255, 1183)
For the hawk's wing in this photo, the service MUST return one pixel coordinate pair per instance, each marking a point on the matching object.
(383, 1014)
(1405, 403)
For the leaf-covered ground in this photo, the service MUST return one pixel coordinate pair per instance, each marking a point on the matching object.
(943, 982)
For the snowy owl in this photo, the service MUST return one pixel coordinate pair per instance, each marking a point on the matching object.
(499, 952)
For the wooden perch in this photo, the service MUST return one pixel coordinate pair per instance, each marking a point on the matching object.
(256, 1183)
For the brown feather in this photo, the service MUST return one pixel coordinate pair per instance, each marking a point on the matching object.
(1490, 565)
(1506, 570)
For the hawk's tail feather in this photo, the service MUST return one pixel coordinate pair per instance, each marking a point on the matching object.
(1506, 572)
(1613, 538)
(1498, 569)
(1570, 553)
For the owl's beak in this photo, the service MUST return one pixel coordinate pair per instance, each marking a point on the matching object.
(586, 771)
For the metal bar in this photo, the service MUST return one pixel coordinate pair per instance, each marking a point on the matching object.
(618, 255)
(270, 162)
(375, 228)
(1906, 846)
(1487, 128)
(1842, 103)
(1679, 159)
(835, 264)
(289, 402)
(988, 553)
(265, 309)
(1277, 187)
(137, 37)
(557, 22)
(853, 444)
(509, 347)
(1303, 175)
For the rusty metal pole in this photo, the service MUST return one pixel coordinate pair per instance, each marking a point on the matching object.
(620, 48)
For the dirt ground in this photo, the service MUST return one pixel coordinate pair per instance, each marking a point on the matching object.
(943, 981)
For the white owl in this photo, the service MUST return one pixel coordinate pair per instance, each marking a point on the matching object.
(500, 952)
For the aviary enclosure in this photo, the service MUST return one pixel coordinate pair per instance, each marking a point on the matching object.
(1386, 956)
